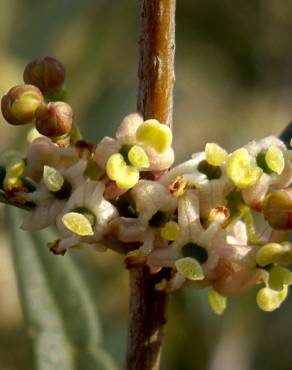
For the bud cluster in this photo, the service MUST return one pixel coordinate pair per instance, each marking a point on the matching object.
(30, 102)
(194, 219)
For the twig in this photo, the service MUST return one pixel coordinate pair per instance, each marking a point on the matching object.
(156, 64)
(147, 309)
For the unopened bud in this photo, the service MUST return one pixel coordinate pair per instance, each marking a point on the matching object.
(277, 209)
(20, 104)
(54, 119)
(47, 74)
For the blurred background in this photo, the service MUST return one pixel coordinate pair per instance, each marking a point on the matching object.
(233, 83)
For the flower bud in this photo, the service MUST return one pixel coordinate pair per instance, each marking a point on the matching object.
(47, 74)
(54, 119)
(20, 104)
(277, 209)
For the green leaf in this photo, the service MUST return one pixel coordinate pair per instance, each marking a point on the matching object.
(61, 316)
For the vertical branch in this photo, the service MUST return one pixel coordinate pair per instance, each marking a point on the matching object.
(147, 310)
(147, 317)
(156, 64)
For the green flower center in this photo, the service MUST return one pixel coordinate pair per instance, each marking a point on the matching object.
(195, 251)
(212, 172)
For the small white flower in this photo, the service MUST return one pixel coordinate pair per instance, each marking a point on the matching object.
(139, 146)
(47, 203)
(88, 196)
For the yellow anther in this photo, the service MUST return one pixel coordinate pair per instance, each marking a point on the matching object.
(117, 170)
(275, 159)
(215, 155)
(274, 253)
(154, 134)
(269, 300)
(16, 168)
(278, 277)
(170, 231)
(53, 179)
(190, 268)
(128, 177)
(114, 165)
(217, 302)
(77, 223)
(242, 169)
(27, 103)
(11, 182)
(137, 157)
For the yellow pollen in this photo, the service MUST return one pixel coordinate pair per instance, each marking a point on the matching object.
(215, 155)
(170, 231)
(77, 224)
(242, 169)
(154, 134)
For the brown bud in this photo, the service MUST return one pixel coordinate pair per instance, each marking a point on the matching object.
(47, 74)
(20, 104)
(54, 119)
(277, 209)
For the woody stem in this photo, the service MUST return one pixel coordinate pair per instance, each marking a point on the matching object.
(147, 308)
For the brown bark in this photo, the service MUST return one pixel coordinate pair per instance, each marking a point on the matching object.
(147, 309)
(156, 64)
(147, 317)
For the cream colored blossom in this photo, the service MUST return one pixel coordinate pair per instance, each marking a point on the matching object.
(139, 146)
(87, 197)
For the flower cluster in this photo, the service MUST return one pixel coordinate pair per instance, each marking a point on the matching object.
(195, 220)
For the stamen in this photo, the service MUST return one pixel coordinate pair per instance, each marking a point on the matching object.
(53, 179)
(190, 268)
(77, 224)
(269, 300)
(242, 169)
(215, 155)
(274, 253)
(217, 302)
(170, 231)
(154, 134)
(137, 157)
(278, 277)
(275, 159)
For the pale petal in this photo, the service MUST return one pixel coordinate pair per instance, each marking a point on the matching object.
(150, 197)
(165, 257)
(285, 179)
(126, 132)
(105, 148)
(254, 195)
(188, 167)
(255, 147)
(189, 215)
(126, 229)
(159, 162)
(212, 193)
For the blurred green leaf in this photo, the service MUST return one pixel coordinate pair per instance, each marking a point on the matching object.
(62, 320)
